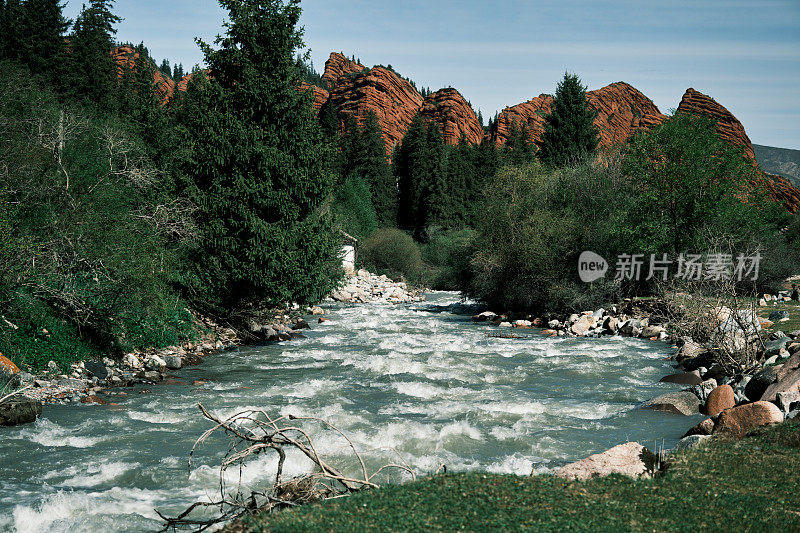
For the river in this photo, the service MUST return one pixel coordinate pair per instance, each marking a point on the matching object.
(419, 380)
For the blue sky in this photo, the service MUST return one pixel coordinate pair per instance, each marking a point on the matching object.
(745, 54)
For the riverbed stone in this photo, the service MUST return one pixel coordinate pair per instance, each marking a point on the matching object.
(741, 419)
(683, 378)
(682, 403)
(778, 314)
(93, 399)
(71, 384)
(152, 375)
(652, 331)
(626, 459)
(690, 442)
(19, 410)
(786, 382)
(719, 399)
(705, 427)
(154, 362)
(97, 369)
(786, 401)
(174, 362)
(759, 383)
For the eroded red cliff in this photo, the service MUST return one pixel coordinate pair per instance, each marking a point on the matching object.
(621, 111)
(338, 65)
(392, 98)
(454, 115)
(728, 126)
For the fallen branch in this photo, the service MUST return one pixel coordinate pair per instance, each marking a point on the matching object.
(254, 432)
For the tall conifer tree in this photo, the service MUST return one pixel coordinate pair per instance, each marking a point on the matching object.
(257, 170)
(570, 135)
(41, 44)
(92, 73)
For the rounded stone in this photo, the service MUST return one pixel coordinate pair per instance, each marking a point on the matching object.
(720, 399)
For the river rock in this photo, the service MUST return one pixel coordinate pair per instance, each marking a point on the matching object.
(775, 347)
(719, 399)
(652, 331)
(706, 427)
(582, 325)
(682, 403)
(316, 310)
(787, 401)
(155, 362)
(759, 383)
(779, 314)
(97, 369)
(71, 384)
(132, 361)
(17, 411)
(690, 442)
(152, 375)
(786, 382)
(739, 420)
(626, 459)
(689, 350)
(92, 399)
(683, 378)
(173, 362)
(611, 324)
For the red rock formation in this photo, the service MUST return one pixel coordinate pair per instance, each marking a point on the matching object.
(128, 56)
(728, 127)
(320, 94)
(337, 65)
(530, 114)
(393, 99)
(621, 111)
(454, 115)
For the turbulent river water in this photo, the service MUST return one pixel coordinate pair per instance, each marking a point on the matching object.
(420, 381)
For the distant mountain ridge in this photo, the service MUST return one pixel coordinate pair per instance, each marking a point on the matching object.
(784, 162)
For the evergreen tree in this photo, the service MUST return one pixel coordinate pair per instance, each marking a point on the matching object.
(374, 167)
(177, 72)
(92, 73)
(165, 69)
(11, 30)
(329, 121)
(41, 42)
(257, 170)
(569, 132)
(518, 148)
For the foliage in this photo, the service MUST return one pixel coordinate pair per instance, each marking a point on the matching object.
(257, 167)
(91, 74)
(518, 148)
(92, 247)
(448, 253)
(32, 32)
(742, 477)
(570, 136)
(353, 209)
(393, 252)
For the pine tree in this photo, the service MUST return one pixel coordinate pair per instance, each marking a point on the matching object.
(11, 31)
(92, 73)
(41, 44)
(374, 167)
(518, 148)
(177, 72)
(165, 69)
(258, 170)
(569, 133)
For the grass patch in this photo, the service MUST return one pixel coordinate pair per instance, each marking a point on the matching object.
(793, 324)
(749, 485)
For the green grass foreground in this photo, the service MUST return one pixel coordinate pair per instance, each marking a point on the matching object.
(747, 485)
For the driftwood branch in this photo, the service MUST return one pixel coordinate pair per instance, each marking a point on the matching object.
(255, 432)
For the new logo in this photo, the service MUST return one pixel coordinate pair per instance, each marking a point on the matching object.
(591, 267)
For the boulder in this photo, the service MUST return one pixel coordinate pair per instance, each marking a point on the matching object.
(739, 420)
(152, 375)
(486, 316)
(706, 427)
(775, 347)
(316, 310)
(7, 367)
(611, 324)
(16, 411)
(97, 369)
(132, 361)
(583, 325)
(155, 362)
(779, 314)
(301, 324)
(92, 399)
(627, 459)
(174, 362)
(71, 384)
(652, 331)
(683, 378)
(690, 442)
(719, 399)
(689, 350)
(681, 403)
(786, 401)
(759, 383)
(786, 383)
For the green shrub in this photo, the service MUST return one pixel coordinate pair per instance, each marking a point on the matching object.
(393, 252)
(448, 253)
(353, 209)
